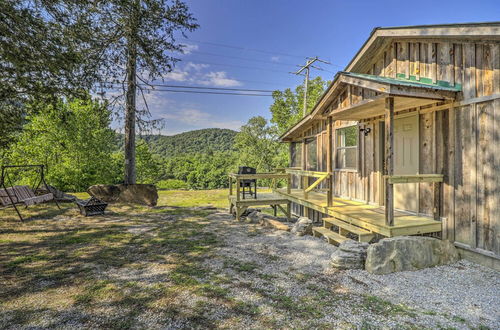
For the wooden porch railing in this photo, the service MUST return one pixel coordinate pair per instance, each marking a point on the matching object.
(236, 178)
(435, 179)
(321, 176)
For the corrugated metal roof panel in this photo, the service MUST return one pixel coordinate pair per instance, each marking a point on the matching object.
(404, 82)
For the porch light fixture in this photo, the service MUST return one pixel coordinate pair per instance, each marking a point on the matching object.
(365, 130)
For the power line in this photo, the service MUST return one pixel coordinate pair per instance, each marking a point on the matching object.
(202, 92)
(212, 88)
(244, 48)
(240, 58)
(252, 49)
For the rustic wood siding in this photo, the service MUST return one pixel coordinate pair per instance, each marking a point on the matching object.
(462, 143)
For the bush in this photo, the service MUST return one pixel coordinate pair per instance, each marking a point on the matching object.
(171, 184)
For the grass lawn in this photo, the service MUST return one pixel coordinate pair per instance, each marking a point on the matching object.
(175, 266)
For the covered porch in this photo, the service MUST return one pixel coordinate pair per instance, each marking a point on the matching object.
(397, 192)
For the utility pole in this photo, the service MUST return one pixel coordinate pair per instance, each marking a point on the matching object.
(307, 67)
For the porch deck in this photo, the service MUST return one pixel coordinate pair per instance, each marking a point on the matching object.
(369, 217)
(276, 201)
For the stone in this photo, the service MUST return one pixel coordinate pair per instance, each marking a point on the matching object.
(255, 217)
(145, 194)
(350, 255)
(303, 226)
(405, 253)
(275, 224)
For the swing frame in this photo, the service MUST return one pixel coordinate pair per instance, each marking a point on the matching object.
(4, 175)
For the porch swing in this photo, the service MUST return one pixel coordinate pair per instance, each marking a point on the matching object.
(23, 194)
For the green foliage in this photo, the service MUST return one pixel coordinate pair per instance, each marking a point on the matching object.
(12, 118)
(73, 139)
(44, 52)
(287, 108)
(203, 141)
(148, 164)
(171, 184)
(201, 171)
(257, 146)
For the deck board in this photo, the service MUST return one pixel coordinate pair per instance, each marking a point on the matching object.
(262, 199)
(365, 215)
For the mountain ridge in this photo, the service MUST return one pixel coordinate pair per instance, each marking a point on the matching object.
(202, 141)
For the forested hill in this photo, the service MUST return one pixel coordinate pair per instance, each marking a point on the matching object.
(199, 141)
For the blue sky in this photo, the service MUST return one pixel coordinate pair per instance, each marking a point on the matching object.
(270, 37)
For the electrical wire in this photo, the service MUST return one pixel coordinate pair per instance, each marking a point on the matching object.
(240, 58)
(244, 48)
(201, 92)
(211, 88)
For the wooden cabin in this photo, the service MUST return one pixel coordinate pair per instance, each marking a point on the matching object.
(406, 141)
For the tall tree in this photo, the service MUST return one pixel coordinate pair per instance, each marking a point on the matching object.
(50, 48)
(44, 51)
(257, 145)
(287, 107)
(139, 43)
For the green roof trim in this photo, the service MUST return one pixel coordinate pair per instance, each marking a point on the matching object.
(412, 82)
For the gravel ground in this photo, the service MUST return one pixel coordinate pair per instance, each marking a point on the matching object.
(463, 290)
(197, 268)
(462, 295)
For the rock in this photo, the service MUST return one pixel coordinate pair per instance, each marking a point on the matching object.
(409, 253)
(248, 211)
(350, 255)
(270, 223)
(303, 226)
(145, 194)
(255, 217)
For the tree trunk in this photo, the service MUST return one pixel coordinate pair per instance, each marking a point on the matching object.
(130, 112)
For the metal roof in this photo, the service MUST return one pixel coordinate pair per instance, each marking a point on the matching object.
(402, 82)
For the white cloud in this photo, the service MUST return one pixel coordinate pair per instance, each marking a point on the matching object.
(219, 79)
(196, 119)
(195, 66)
(188, 48)
(275, 58)
(194, 73)
(177, 75)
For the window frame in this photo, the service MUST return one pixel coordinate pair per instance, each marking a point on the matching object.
(339, 148)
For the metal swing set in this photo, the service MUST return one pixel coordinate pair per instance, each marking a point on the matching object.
(16, 195)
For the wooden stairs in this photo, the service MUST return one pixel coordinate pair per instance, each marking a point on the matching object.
(344, 228)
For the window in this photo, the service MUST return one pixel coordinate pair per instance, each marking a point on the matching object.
(312, 154)
(296, 156)
(347, 147)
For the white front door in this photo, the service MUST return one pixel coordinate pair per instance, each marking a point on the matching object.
(406, 161)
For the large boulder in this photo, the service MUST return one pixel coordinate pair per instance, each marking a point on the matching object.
(409, 253)
(302, 227)
(350, 255)
(145, 194)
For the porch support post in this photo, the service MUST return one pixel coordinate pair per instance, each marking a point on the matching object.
(303, 165)
(389, 160)
(329, 167)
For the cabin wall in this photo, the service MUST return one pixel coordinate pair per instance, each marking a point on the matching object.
(462, 142)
